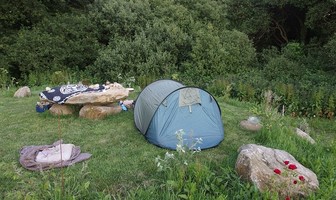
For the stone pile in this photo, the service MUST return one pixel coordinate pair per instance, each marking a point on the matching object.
(95, 105)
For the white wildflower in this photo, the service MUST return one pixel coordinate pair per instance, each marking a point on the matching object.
(179, 148)
(169, 155)
(199, 140)
(157, 159)
(179, 135)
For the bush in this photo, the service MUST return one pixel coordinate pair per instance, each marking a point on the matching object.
(126, 58)
(63, 42)
(330, 51)
(4, 78)
(217, 54)
(119, 18)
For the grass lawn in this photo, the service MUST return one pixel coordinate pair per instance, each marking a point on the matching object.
(123, 166)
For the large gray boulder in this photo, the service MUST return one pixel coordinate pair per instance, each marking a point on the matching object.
(275, 170)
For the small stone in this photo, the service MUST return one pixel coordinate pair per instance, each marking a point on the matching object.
(250, 126)
(23, 92)
(304, 135)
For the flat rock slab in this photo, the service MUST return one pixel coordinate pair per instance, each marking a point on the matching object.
(100, 98)
(83, 94)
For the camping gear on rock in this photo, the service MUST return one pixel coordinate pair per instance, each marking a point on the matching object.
(62, 93)
(166, 106)
(41, 107)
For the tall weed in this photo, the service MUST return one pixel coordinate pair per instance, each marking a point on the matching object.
(52, 184)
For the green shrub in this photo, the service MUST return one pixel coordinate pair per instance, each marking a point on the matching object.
(216, 54)
(131, 58)
(221, 87)
(330, 54)
(63, 42)
(4, 78)
(119, 18)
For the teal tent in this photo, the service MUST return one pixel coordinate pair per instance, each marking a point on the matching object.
(166, 106)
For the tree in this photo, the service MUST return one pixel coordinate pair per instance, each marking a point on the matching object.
(119, 18)
(16, 14)
(330, 54)
(279, 22)
(215, 54)
(63, 42)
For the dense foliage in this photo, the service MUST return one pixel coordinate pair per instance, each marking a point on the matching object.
(236, 48)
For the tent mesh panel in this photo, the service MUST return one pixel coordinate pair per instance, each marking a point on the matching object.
(189, 96)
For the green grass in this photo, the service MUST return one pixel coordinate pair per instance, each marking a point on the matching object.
(122, 164)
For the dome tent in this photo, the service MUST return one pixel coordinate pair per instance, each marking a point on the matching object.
(166, 106)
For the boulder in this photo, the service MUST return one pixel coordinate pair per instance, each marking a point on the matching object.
(275, 170)
(305, 135)
(98, 112)
(23, 92)
(57, 109)
(251, 124)
(100, 98)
